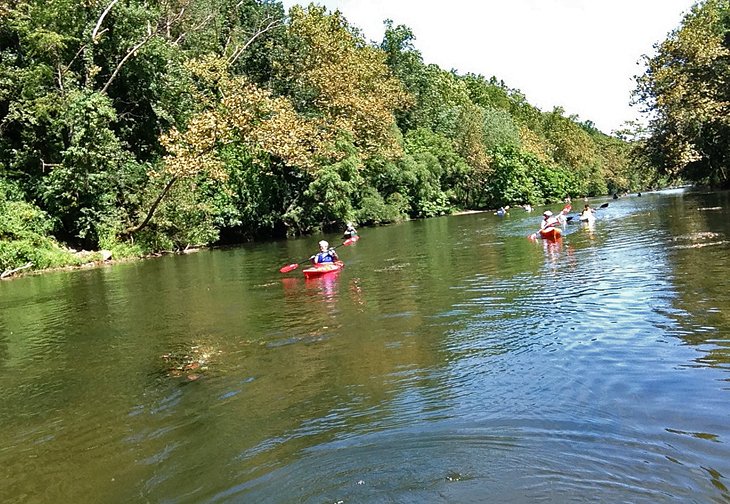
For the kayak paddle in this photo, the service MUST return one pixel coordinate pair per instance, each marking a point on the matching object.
(293, 266)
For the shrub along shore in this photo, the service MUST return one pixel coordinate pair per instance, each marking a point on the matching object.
(136, 127)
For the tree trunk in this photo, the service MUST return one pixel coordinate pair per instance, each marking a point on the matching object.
(151, 211)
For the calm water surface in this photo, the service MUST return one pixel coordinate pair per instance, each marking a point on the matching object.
(453, 360)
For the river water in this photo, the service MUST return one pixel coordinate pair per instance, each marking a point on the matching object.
(452, 360)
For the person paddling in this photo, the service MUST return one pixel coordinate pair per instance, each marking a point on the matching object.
(325, 254)
(550, 226)
(350, 232)
(549, 220)
(587, 213)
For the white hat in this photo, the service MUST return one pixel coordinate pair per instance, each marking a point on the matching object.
(323, 243)
(547, 213)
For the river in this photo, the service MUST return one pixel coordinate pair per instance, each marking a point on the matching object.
(452, 360)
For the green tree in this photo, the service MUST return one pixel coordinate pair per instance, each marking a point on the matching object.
(685, 88)
(332, 75)
(513, 181)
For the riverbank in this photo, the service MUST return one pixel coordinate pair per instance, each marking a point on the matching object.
(467, 212)
(24, 270)
(67, 259)
(77, 260)
(101, 258)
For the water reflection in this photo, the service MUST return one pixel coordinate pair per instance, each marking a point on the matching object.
(452, 359)
(589, 227)
(326, 286)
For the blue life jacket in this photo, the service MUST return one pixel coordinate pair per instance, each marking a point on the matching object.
(323, 257)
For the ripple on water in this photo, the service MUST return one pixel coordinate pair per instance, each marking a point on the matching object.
(548, 462)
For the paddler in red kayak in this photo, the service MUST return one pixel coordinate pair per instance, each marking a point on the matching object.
(549, 220)
(325, 254)
(350, 232)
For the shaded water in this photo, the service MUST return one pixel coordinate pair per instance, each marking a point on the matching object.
(453, 360)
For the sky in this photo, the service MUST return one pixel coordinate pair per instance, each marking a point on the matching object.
(581, 55)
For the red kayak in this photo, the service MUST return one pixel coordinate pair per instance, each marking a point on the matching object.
(551, 233)
(323, 269)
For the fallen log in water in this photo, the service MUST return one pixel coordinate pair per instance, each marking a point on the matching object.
(10, 272)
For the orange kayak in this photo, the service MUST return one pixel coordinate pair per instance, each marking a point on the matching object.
(551, 233)
(323, 269)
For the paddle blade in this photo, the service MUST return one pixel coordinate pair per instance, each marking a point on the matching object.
(288, 268)
(604, 205)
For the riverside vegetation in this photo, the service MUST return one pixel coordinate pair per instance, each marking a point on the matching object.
(146, 126)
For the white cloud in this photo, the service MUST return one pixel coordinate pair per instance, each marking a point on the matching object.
(578, 54)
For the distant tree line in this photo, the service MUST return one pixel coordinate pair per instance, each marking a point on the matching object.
(141, 126)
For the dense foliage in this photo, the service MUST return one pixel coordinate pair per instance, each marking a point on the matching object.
(152, 125)
(686, 87)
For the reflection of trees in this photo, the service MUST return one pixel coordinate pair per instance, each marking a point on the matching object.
(31, 335)
(345, 373)
(298, 364)
(699, 250)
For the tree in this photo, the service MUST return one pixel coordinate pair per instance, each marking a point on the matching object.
(246, 115)
(685, 88)
(331, 74)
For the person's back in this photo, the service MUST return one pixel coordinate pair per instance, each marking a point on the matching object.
(587, 214)
(350, 231)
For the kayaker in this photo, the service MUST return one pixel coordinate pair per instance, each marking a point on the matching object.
(548, 220)
(325, 254)
(587, 213)
(350, 232)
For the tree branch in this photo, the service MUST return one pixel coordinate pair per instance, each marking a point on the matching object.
(237, 53)
(124, 60)
(152, 209)
(197, 27)
(9, 272)
(101, 19)
(150, 34)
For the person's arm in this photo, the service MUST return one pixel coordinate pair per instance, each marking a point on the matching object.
(333, 254)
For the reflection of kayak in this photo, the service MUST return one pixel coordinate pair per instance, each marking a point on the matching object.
(323, 269)
(551, 233)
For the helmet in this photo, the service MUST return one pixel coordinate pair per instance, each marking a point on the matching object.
(324, 244)
(547, 213)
